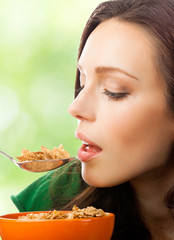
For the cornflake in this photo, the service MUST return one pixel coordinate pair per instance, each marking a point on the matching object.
(76, 213)
(45, 153)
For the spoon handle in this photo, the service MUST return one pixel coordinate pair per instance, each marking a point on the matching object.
(5, 154)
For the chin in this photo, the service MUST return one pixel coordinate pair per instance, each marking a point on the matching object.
(101, 182)
(98, 179)
(94, 182)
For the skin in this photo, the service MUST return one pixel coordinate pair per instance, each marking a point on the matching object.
(136, 131)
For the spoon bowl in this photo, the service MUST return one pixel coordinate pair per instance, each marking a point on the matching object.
(39, 165)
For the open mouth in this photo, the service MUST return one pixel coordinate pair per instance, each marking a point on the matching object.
(88, 149)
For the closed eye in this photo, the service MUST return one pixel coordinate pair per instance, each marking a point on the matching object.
(115, 96)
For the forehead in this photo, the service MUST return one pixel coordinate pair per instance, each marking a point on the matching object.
(124, 45)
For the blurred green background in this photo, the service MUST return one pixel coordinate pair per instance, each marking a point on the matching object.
(39, 41)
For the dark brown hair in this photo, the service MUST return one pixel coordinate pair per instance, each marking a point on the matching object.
(157, 18)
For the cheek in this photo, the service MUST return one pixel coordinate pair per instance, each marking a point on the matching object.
(139, 127)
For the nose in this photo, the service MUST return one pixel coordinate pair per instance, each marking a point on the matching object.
(84, 106)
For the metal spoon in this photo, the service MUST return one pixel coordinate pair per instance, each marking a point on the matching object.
(39, 165)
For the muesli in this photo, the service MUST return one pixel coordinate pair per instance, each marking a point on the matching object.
(45, 153)
(76, 213)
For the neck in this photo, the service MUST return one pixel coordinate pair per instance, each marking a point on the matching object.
(150, 191)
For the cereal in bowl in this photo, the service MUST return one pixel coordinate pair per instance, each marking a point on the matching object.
(76, 213)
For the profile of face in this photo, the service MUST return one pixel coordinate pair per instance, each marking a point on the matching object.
(123, 118)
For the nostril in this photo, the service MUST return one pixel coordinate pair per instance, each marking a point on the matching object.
(73, 111)
(79, 117)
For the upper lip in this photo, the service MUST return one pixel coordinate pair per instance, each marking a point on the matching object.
(83, 138)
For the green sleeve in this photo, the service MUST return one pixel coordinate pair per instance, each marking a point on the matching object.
(54, 188)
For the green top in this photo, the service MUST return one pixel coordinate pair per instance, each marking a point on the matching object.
(55, 187)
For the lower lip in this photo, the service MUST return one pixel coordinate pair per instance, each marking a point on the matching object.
(87, 153)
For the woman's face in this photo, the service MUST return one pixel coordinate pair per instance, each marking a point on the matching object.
(123, 119)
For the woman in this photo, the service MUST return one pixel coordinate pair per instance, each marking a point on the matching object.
(124, 104)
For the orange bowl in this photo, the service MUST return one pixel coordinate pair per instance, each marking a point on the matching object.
(98, 228)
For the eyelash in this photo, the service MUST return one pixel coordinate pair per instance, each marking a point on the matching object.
(111, 95)
(115, 96)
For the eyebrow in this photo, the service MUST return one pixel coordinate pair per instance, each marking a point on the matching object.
(105, 69)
